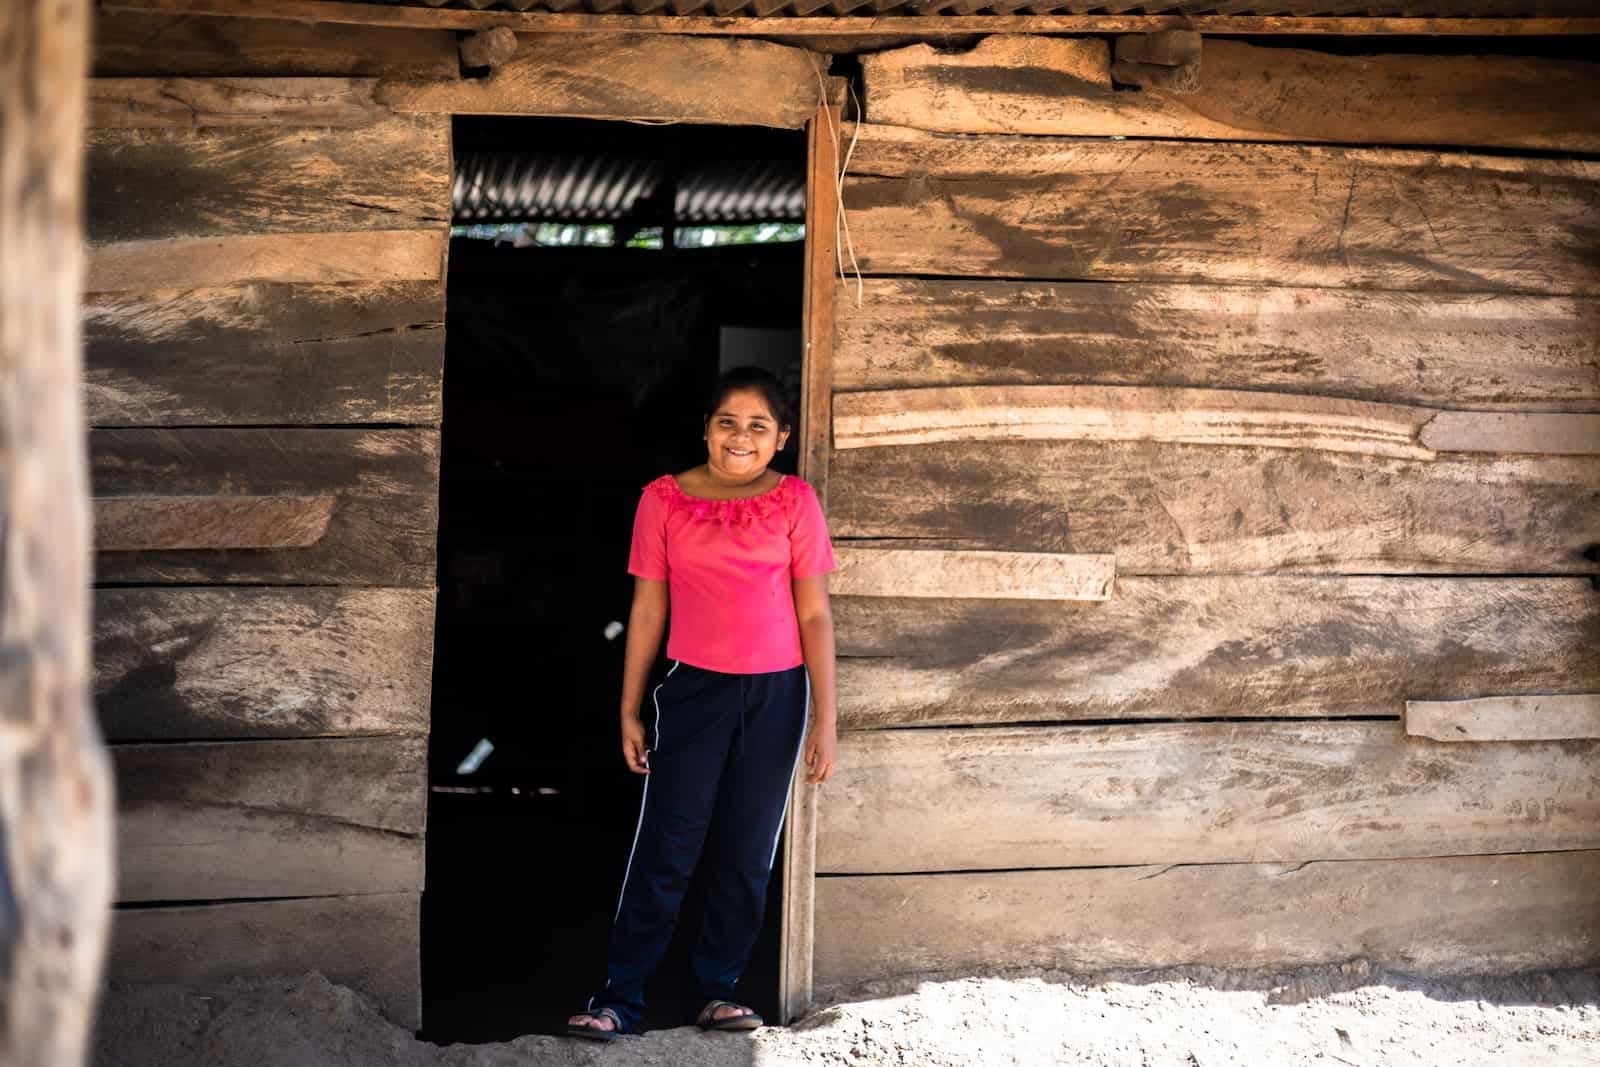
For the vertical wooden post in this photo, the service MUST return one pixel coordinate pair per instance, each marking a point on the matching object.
(56, 868)
(816, 417)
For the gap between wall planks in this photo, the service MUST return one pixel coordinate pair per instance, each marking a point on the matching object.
(1470, 914)
(1056, 86)
(1542, 717)
(1140, 793)
(369, 942)
(319, 11)
(1236, 646)
(816, 420)
(1245, 417)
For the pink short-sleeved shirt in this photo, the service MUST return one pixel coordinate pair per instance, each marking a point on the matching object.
(728, 565)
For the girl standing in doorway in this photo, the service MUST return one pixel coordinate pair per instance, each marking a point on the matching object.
(741, 554)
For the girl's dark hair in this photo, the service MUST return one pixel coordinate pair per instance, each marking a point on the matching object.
(763, 382)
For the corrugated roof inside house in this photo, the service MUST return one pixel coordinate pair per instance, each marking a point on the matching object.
(796, 8)
(523, 187)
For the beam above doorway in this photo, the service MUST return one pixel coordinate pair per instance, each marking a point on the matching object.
(404, 17)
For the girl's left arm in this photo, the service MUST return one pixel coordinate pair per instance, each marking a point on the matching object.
(816, 645)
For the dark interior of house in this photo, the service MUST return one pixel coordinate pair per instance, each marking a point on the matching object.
(600, 277)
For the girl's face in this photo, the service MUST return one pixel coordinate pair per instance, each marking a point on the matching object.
(742, 436)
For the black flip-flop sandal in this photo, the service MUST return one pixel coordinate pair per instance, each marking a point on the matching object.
(594, 1033)
(706, 1019)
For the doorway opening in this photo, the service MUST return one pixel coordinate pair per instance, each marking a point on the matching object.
(601, 275)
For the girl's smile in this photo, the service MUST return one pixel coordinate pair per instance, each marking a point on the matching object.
(742, 436)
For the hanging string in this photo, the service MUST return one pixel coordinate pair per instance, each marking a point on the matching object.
(841, 222)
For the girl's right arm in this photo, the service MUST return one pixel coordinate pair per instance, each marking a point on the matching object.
(647, 619)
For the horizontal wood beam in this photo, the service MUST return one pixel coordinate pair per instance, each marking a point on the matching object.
(322, 817)
(1058, 208)
(987, 575)
(314, 11)
(1105, 796)
(191, 664)
(1480, 351)
(1506, 718)
(176, 183)
(265, 355)
(1197, 416)
(1169, 507)
(167, 523)
(1063, 86)
(1464, 915)
(1239, 647)
(141, 103)
(371, 943)
(634, 77)
(320, 258)
(381, 531)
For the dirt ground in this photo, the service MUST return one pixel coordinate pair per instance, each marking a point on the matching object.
(1192, 1018)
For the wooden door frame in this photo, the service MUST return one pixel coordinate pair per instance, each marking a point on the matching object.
(816, 419)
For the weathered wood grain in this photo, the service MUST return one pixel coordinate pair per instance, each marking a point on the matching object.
(1066, 209)
(1467, 351)
(1513, 431)
(56, 803)
(385, 516)
(716, 80)
(1040, 85)
(371, 943)
(1543, 717)
(135, 44)
(196, 664)
(320, 258)
(169, 184)
(890, 572)
(1234, 647)
(1173, 508)
(160, 523)
(324, 817)
(1470, 914)
(266, 355)
(136, 103)
(1128, 413)
(1102, 796)
(1255, 417)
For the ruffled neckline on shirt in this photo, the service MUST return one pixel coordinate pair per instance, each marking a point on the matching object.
(740, 511)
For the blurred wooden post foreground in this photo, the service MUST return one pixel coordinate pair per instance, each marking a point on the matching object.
(55, 783)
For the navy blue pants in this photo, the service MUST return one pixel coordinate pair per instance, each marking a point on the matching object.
(724, 749)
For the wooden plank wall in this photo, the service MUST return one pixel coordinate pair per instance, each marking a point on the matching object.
(264, 351)
(1215, 360)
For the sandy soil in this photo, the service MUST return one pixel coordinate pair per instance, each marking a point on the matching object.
(1191, 1018)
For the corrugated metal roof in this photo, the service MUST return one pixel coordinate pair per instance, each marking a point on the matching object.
(500, 186)
(1308, 8)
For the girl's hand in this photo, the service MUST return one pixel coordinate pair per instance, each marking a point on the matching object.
(821, 753)
(634, 753)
